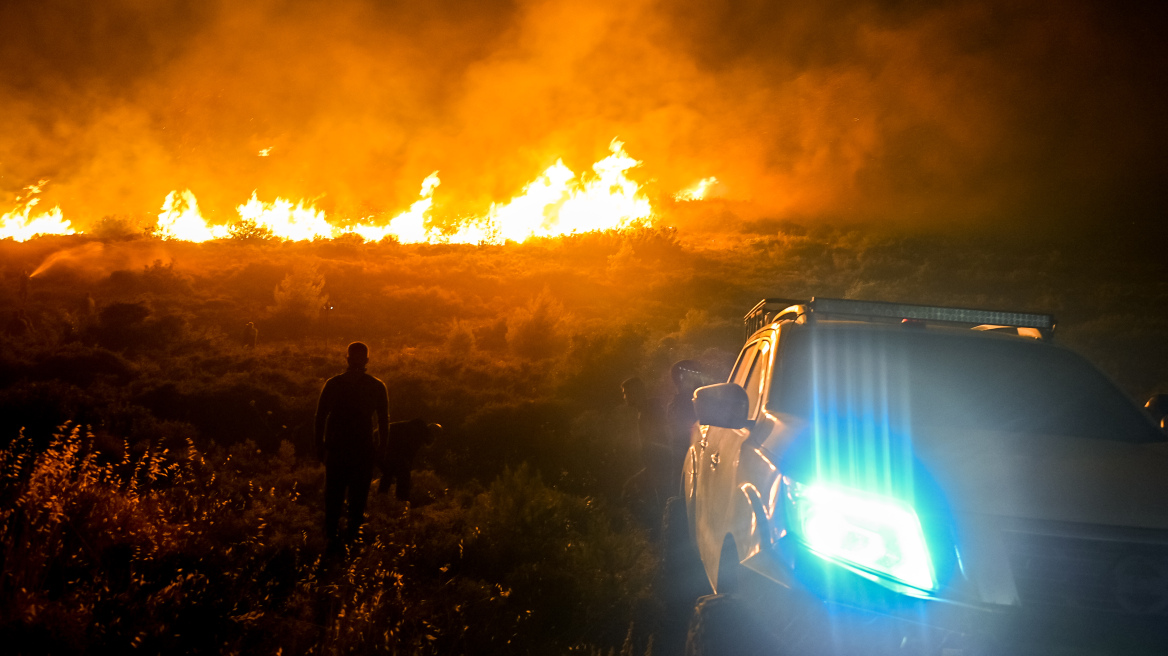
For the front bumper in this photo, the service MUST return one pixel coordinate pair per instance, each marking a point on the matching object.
(852, 614)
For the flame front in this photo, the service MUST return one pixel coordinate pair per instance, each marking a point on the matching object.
(180, 219)
(409, 226)
(21, 225)
(279, 217)
(557, 202)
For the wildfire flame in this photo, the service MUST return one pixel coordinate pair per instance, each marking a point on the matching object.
(409, 226)
(557, 202)
(282, 220)
(698, 191)
(20, 225)
(180, 219)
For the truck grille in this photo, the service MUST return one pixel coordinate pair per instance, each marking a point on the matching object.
(1116, 571)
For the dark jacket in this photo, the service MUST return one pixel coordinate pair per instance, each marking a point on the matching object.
(681, 417)
(344, 417)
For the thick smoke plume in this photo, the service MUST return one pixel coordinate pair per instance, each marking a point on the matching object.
(954, 112)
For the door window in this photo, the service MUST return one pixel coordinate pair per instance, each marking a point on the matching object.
(745, 361)
(756, 378)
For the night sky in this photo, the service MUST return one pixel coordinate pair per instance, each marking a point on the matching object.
(1048, 114)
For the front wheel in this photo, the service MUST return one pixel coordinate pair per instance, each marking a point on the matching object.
(721, 625)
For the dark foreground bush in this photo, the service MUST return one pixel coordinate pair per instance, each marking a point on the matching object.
(580, 570)
(173, 552)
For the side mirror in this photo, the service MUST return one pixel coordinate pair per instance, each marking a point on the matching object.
(724, 405)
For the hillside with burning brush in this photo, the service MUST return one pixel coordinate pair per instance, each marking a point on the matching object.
(160, 490)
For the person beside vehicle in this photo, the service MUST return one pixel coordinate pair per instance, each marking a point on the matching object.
(680, 417)
(652, 445)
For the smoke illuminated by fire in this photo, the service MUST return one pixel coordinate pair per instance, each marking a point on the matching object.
(923, 113)
(558, 202)
(21, 225)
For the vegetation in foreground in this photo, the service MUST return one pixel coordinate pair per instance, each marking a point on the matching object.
(181, 552)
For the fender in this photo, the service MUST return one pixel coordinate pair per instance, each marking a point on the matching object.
(756, 528)
(758, 533)
(752, 515)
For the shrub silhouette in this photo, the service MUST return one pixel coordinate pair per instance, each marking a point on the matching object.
(39, 408)
(537, 542)
(134, 326)
(299, 300)
(535, 331)
(460, 341)
(82, 366)
(173, 550)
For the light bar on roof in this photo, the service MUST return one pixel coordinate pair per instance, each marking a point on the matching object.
(929, 313)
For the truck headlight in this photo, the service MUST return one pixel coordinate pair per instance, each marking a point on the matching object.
(871, 533)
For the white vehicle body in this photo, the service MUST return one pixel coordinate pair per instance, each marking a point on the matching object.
(1022, 519)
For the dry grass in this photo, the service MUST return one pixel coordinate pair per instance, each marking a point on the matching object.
(180, 512)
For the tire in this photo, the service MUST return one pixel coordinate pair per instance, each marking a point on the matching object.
(680, 564)
(721, 625)
(681, 578)
(730, 573)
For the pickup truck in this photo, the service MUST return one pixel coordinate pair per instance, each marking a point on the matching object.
(892, 478)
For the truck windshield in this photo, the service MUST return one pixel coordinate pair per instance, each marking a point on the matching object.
(915, 378)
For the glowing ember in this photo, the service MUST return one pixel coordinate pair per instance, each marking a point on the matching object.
(297, 223)
(696, 192)
(180, 219)
(20, 225)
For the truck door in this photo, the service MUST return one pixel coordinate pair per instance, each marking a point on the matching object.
(719, 451)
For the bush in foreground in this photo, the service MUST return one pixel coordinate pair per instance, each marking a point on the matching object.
(178, 552)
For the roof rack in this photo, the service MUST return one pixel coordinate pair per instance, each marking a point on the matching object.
(768, 310)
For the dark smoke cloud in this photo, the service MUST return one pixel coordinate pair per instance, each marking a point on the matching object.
(1046, 112)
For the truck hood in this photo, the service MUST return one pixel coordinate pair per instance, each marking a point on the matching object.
(1048, 477)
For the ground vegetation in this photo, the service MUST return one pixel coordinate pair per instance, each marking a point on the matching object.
(158, 487)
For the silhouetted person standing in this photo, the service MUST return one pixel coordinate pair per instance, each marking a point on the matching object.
(345, 440)
(680, 416)
(653, 437)
(250, 334)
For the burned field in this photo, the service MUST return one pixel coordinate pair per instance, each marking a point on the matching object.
(160, 490)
